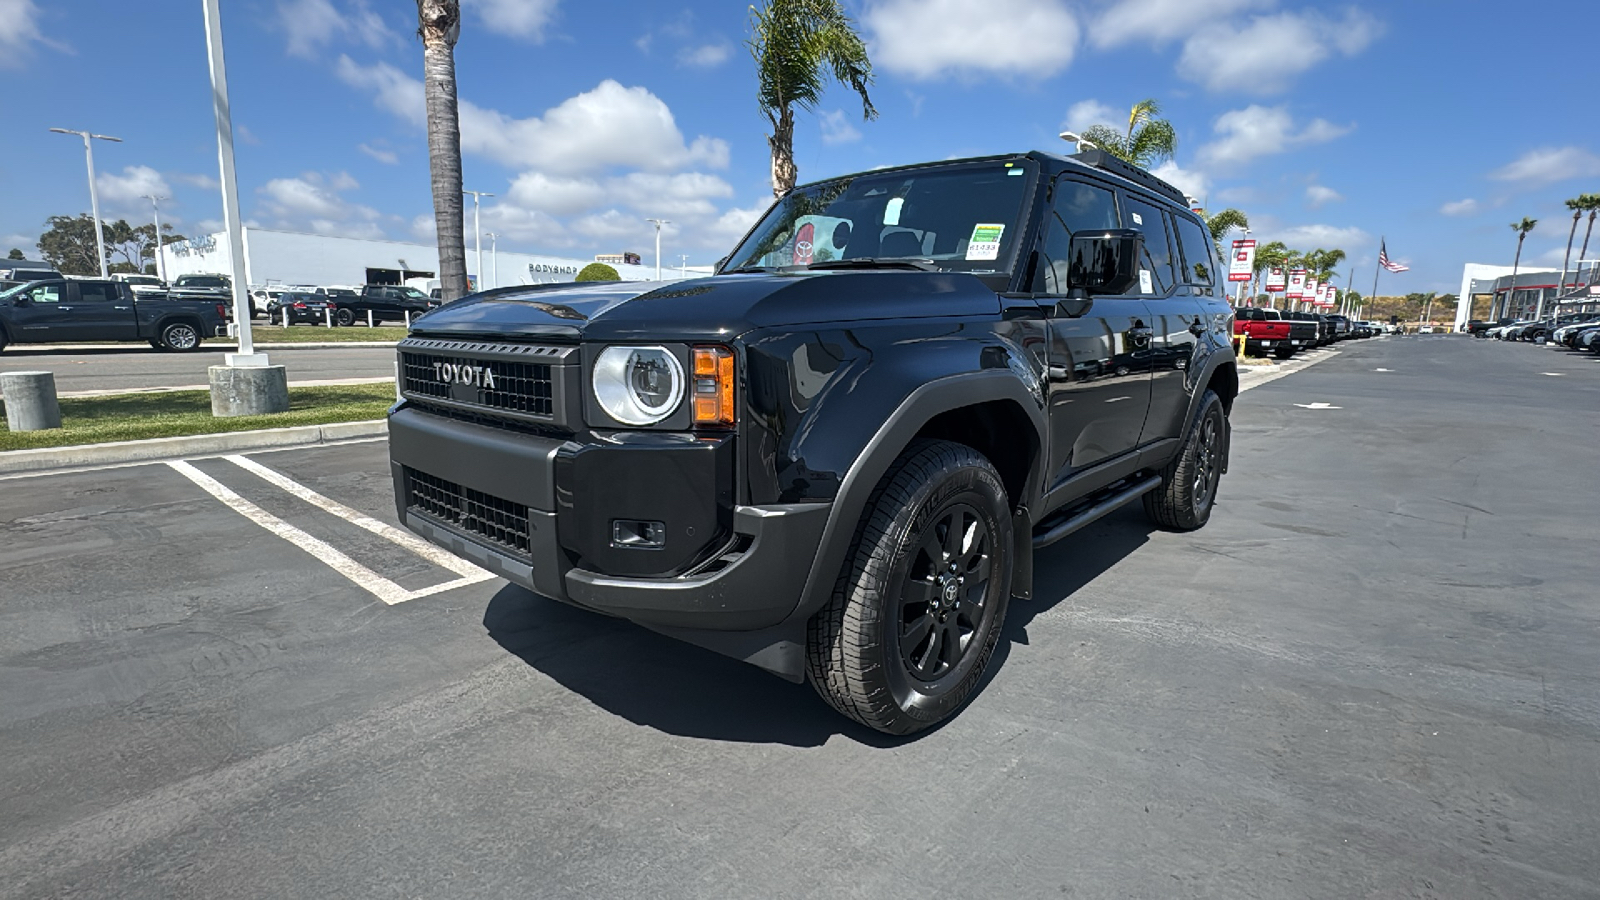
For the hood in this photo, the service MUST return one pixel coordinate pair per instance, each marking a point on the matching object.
(715, 308)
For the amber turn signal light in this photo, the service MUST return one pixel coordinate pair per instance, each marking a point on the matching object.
(713, 386)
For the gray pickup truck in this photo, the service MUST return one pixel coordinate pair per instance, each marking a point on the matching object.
(73, 310)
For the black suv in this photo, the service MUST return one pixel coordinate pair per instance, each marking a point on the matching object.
(385, 303)
(835, 458)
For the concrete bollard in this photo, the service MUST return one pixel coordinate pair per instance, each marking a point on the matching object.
(369, 318)
(408, 320)
(327, 316)
(31, 403)
(248, 390)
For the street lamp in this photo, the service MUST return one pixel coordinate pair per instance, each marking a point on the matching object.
(477, 236)
(494, 262)
(1072, 137)
(658, 223)
(161, 260)
(94, 195)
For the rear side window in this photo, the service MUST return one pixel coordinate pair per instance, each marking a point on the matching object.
(1077, 207)
(1198, 266)
(1157, 246)
(96, 292)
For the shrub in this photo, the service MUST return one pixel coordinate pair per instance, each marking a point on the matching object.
(598, 272)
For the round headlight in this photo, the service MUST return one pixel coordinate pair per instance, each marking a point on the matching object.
(638, 385)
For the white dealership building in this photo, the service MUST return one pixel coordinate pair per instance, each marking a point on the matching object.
(286, 257)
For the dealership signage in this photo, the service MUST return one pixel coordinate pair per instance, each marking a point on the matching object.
(1241, 266)
(1275, 279)
(1297, 284)
(199, 246)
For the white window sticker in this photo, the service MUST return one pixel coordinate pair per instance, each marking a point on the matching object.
(985, 242)
(1138, 219)
(891, 211)
(1145, 286)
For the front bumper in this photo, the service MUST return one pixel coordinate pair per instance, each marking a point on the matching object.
(538, 511)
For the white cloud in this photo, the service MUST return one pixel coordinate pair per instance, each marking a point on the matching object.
(1550, 164)
(1193, 183)
(1317, 195)
(23, 242)
(836, 128)
(705, 56)
(124, 193)
(1245, 134)
(524, 19)
(313, 201)
(311, 25)
(555, 195)
(925, 39)
(1084, 113)
(387, 157)
(609, 126)
(1265, 56)
(1326, 237)
(199, 180)
(1459, 207)
(424, 228)
(1160, 21)
(19, 29)
(686, 195)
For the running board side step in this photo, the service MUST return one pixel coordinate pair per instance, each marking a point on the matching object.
(1110, 504)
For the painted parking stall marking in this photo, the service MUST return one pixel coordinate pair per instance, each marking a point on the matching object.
(368, 580)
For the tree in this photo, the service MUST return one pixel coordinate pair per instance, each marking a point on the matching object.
(796, 44)
(1224, 222)
(1521, 228)
(70, 245)
(1590, 202)
(439, 25)
(15, 254)
(1271, 255)
(598, 272)
(1148, 139)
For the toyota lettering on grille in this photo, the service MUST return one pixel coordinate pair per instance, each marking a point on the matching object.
(460, 373)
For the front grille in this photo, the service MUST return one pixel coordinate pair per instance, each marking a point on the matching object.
(512, 381)
(501, 522)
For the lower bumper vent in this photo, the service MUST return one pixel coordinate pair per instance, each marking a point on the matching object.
(501, 522)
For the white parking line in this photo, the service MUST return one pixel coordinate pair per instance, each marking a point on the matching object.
(370, 581)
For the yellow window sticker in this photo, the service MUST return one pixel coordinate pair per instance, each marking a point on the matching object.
(985, 242)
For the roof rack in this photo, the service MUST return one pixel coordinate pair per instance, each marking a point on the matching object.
(1100, 159)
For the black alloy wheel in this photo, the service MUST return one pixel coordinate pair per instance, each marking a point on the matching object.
(1188, 488)
(918, 609)
(344, 317)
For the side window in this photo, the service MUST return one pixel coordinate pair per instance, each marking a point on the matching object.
(96, 292)
(1199, 268)
(1157, 247)
(46, 293)
(1077, 207)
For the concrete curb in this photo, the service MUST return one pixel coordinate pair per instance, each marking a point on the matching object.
(261, 346)
(88, 455)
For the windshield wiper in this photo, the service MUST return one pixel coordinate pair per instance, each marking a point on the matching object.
(876, 262)
(746, 269)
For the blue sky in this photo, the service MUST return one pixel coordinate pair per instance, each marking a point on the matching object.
(1433, 124)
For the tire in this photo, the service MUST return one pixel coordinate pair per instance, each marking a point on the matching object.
(1188, 488)
(906, 638)
(344, 317)
(180, 336)
(1283, 352)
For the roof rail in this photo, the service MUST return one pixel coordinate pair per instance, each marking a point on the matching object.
(1105, 162)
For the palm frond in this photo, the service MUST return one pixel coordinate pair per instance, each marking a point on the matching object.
(1222, 222)
(1108, 139)
(1154, 141)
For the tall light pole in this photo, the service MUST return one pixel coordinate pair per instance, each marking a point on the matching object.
(477, 236)
(94, 195)
(683, 264)
(658, 223)
(494, 261)
(247, 355)
(161, 261)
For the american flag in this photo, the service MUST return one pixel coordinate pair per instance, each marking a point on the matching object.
(1383, 259)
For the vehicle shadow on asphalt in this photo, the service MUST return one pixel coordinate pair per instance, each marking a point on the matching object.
(661, 683)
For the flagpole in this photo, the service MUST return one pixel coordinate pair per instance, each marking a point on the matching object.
(1376, 268)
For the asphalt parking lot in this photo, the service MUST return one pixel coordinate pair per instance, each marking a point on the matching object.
(129, 367)
(1375, 673)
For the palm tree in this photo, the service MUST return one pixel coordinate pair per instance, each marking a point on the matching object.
(439, 25)
(1521, 228)
(1271, 255)
(1590, 202)
(796, 45)
(1224, 222)
(1148, 139)
(1576, 205)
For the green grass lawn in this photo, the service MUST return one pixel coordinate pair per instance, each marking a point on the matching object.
(277, 334)
(132, 417)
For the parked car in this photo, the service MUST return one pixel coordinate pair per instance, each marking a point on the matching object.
(298, 307)
(92, 309)
(21, 271)
(337, 291)
(837, 469)
(1264, 331)
(142, 285)
(386, 303)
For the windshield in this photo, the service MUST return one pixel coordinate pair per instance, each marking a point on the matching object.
(143, 279)
(412, 294)
(10, 292)
(200, 281)
(961, 218)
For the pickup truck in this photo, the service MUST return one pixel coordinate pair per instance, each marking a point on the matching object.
(73, 310)
(1267, 331)
(386, 302)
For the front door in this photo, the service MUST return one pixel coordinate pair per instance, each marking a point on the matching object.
(1098, 377)
(43, 313)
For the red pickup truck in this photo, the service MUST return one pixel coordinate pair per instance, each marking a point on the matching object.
(1265, 331)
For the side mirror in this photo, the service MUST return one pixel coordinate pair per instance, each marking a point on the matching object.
(20, 300)
(1106, 262)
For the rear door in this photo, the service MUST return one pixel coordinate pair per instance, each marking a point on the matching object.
(1173, 297)
(103, 311)
(1098, 376)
